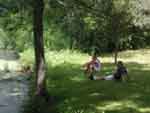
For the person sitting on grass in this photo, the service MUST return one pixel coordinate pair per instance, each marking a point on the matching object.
(91, 67)
(120, 73)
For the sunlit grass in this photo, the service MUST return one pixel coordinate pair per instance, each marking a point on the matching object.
(75, 57)
(122, 105)
(138, 56)
(66, 56)
(117, 105)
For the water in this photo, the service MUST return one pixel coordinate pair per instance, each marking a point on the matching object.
(13, 85)
(13, 90)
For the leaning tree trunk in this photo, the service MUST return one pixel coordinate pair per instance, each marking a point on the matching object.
(39, 47)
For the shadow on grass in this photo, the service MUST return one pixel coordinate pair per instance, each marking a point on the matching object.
(74, 93)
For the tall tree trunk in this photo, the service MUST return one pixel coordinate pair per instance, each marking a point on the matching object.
(116, 52)
(39, 47)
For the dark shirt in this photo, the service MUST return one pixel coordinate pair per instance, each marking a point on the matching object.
(119, 72)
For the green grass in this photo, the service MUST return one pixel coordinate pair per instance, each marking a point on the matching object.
(74, 93)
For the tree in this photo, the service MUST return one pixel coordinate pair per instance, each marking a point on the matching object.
(119, 23)
(39, 47)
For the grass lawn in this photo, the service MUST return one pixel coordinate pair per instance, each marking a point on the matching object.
(74, 93)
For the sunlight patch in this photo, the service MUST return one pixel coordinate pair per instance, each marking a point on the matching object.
(143, 110)
(122, 105)
(95, 94)
(77, 79)
(117, 105)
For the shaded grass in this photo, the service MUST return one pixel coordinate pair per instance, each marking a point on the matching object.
(74, 93)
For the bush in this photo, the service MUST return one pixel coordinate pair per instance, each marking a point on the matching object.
(27, 58)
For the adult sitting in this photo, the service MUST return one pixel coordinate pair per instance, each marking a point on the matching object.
(119, 74)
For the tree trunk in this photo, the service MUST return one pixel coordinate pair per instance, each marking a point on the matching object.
(39, 47)
(116, 53)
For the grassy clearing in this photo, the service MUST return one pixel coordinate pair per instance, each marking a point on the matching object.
(74, 93)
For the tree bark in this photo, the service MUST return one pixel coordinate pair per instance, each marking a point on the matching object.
(39, 47)
(116, 53)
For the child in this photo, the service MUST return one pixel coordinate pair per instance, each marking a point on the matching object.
(119, 74)
(92, 66)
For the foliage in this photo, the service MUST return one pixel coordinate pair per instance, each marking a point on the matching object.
(27, 58)
(98, 24)
(55, 39)
(76, 24)
(16, 24)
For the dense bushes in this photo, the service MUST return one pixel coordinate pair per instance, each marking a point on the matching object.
(81, 25)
